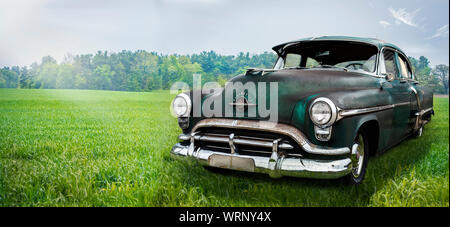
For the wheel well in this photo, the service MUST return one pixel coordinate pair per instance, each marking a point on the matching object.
(373, 132)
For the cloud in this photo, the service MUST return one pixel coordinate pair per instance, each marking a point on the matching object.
(441, 32)
(384, 23)
(402, 16)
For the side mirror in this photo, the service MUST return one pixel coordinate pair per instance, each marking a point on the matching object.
(389, 77)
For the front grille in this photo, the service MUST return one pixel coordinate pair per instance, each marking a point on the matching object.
(246, 142)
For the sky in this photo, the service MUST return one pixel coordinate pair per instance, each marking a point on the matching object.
(31, 29)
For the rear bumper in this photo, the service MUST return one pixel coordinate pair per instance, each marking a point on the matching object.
(275, 166)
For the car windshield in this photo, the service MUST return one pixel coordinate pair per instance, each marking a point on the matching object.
(329, 54)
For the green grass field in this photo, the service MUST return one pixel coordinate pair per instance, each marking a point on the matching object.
(105, 148)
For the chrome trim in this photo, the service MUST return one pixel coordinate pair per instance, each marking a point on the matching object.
(417, 97)
(276, 165)
(184, 137)
(323, 131)
(231, 143)
(267, 126)
(422, 112)
(275, 159)
(418, 124)
(191, 147)
(402, 104)
(352, 112)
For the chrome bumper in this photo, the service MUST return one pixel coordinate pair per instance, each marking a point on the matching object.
(275, 166)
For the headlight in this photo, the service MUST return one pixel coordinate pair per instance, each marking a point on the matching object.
(323, 112)
(320, 113)
(181, 105)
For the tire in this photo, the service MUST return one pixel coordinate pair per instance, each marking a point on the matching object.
(358, 172)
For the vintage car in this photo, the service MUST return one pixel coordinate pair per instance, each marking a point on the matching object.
(340, 99)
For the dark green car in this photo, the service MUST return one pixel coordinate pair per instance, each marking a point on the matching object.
(337, 100)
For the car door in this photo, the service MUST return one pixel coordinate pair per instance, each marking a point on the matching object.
(399, 90)
(415, 89)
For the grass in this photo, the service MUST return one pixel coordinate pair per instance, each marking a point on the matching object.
(105, 148)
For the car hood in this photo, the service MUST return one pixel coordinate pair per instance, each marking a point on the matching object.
(300, 85)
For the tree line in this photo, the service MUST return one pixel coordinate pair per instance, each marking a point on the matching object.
(129, 71)
(146, 71)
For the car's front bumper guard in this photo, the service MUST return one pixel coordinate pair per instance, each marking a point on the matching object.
(276, 166)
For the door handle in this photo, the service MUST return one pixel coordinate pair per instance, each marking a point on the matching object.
(402, 81)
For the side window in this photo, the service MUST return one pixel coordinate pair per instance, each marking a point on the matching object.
(389, 62)
(292, 60)
(405, 70)
(310, 62)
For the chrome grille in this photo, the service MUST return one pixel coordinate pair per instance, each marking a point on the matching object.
(244, 142)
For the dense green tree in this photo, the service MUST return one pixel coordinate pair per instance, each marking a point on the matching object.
(421, 68)
(8, 78)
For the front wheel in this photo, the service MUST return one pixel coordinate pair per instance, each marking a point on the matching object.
(360, 158)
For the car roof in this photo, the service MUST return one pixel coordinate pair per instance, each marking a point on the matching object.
(373, 41)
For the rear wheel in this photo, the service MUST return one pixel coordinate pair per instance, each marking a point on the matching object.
(360, 158)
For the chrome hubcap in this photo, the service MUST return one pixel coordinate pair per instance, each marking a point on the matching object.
(357, 156)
